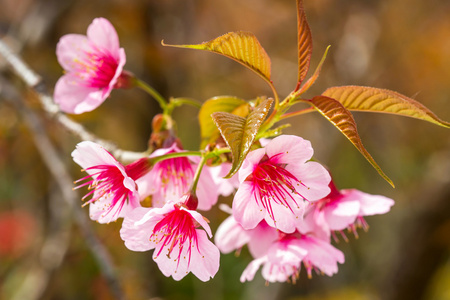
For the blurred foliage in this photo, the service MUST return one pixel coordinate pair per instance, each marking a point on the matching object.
(396, 44)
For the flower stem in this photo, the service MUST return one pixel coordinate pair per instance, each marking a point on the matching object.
(197, 174)
(150, 90)
(156, 159)
(297, 113)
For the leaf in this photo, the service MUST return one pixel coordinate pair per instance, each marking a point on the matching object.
(240, 46)
(208, 130)
(343, 120)
(239, 133)
(304, 42)
(369, 99)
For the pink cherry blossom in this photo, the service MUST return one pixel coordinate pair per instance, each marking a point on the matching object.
(282, 260)
(170, 179)
(347, 208)
(112, 186)
(173, 231)
(93, 66)
(275, 183)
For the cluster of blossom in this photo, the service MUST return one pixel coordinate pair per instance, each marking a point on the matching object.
(285, 207)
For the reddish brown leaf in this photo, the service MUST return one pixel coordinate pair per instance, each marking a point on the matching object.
(304, 42)
(343, 120)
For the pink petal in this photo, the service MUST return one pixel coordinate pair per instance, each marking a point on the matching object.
(287, 251)
(261, 237)
(370, 204)
(205, 262)
(136, 237)
(88, 154)
(207, 191)
(340, 214)
(70, 49)
(314, 224)
(231, 236)
(252, 268)
(73, 97)
(285, 219)
(293, 149)
(314, 178)
(99, 210)
(225, 186)
(245, 209)
(200, 220)
(103, 35)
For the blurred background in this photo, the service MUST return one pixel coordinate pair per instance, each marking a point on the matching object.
(397, 44)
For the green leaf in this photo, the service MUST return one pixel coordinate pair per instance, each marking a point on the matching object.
(343, 120)
(369, 99)
(304, 42)
(208, 130)
(239, 133)
(240, 46)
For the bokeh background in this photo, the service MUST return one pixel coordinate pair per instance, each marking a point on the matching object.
(396, 44)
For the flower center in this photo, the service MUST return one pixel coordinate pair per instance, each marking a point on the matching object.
(107, 182)
(176, 229)
(97, 68)
(176, 175)
(274, 184)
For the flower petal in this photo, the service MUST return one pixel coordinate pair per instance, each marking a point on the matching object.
(102, 33)
(245, 209)
(136, 237)
(314, 180)
(261, 237)
(204, 262)
(231, 236)
(70, 49)
(88, 154)
(74, 97)
(289, 149)
(252, 268)
(341, 213)
(370, 204)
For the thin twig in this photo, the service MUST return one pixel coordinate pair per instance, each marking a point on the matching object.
(35, 82)
(58, 170)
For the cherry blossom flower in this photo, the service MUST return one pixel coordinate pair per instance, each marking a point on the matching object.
(93, 65)
(171, 178)
(112, 186)
(173, 231)
(347, 208)
(282, 260)
(275, 181)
